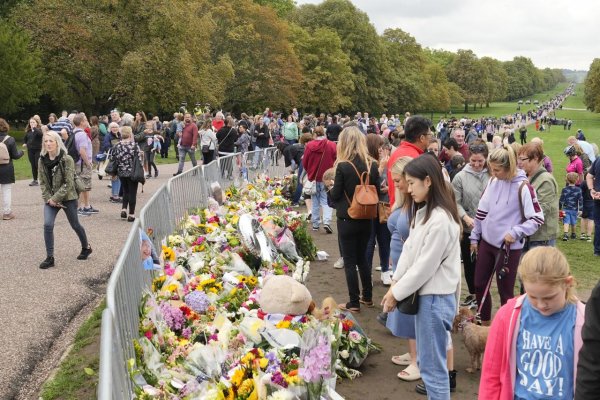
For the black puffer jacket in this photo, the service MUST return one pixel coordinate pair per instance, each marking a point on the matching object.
(7, 171)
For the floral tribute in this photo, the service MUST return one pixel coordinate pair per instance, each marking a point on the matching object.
(202, 334)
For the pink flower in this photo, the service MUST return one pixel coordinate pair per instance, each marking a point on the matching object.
(148, 334)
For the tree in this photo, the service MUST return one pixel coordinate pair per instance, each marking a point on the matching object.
(592, 87)
(437, 89)
(496, 82)
(266, 69)
(20, 69)
(362, 44)
(468, 73)
(326, 74)
(406, 81)
(101, 54)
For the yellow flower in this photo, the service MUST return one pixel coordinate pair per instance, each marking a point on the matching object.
(263, 362)
(237, 377)
(283, 325)
(233, 291)
(252, 281)
(183, 342)
(246, 388)
(278, 192)
(213, 290)
(253, 395)
(172, 287)
(169, 254)
(235, 219)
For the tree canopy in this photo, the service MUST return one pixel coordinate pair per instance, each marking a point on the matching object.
(242, 55)
(592, 86)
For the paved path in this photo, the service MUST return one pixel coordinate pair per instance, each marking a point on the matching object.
(41, 310)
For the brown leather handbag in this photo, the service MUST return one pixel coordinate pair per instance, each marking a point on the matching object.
(383, 210)
(365, 199)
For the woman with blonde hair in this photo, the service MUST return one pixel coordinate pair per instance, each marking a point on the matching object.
(352, 160)
(57, 181)
(399, 324)
(508, 212)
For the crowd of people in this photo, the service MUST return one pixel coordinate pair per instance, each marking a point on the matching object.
(459, 197)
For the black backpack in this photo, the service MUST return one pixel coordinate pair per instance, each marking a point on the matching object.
(72, 148)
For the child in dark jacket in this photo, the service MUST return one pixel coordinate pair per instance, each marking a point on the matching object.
(571, 202)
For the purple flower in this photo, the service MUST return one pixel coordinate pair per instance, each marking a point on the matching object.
(317, 362)
(186, 333)
(277, 378)
(173, 316)
(197, 301)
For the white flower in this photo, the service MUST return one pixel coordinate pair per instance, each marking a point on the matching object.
(282, 394)
(344, 354)
(355, 337)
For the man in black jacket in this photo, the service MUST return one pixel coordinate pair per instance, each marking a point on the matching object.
(588, 368)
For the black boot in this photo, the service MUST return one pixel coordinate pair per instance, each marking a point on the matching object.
(47, 263)
(85, 253)
(421, 389)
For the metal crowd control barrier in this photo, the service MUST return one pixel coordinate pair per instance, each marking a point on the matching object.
(167, 207)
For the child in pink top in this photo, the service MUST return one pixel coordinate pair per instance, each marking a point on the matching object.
(534, 341)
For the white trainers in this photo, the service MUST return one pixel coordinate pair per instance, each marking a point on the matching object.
(339, 264)
(386, 278)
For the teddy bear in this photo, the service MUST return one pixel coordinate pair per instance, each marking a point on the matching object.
(282, 294)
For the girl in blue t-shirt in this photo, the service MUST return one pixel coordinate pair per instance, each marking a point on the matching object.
(534, 341)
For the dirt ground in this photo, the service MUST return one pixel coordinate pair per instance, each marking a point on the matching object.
(378, 380)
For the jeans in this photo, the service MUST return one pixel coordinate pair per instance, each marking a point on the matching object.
(129, 194)
(34, 157)
(597, 227)
(6, 189)
(319, 200)
(486, 256)
(298, 193)
(49, 218)
(433, 322)
(381, 234)
(115, 187)
(353, 235)
(183, 150)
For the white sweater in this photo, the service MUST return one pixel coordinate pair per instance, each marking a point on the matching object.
(430, 259)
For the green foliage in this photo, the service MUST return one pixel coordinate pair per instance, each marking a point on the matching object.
(360, 41)
(20, 71)
(282, 7)
(266, 70)
(592, 87)
(327, 78)
(240, 55)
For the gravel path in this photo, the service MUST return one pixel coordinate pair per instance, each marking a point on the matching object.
(40, 311)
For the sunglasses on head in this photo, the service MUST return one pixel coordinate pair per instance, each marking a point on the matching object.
(477, 148)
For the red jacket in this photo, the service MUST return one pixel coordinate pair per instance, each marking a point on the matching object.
(312, 158)
(499, 369)
(406, 149)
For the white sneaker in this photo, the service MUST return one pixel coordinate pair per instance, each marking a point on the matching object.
(339, 264)
(378, 268)
(386, 278)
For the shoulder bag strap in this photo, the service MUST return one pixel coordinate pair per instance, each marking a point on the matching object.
(318, 166)
(360, 178)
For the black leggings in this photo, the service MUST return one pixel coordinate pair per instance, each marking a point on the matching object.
(129, 194)
(34, 158)
(353, 235)
(208, 157)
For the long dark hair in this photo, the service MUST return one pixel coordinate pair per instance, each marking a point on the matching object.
(440, 193)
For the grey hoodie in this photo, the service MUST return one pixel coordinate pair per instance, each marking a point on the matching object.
(468, 186)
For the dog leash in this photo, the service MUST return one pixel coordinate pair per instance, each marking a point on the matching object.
(501, 274)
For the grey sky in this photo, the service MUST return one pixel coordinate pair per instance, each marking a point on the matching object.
(553, 33)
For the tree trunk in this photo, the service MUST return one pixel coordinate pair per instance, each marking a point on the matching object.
(466, 106)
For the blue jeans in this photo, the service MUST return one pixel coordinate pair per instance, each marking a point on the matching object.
(319, 200)
(381, 234)
(49, 218)
(433, 322)
(183, 150)
(115, 187)
(597, 227)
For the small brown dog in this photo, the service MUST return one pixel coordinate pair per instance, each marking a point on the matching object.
(474, 336)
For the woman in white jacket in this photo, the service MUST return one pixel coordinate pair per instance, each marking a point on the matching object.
(430, 264)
